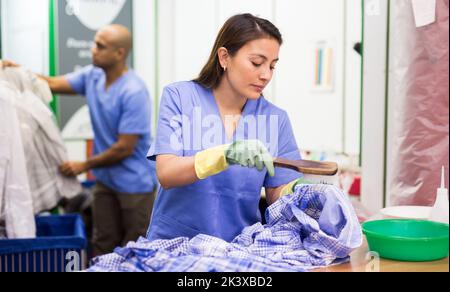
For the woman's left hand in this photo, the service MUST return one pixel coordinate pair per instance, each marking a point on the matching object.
(250, 153)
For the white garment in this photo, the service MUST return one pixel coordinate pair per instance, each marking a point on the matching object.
(45, 152)
(24, 80)
(16, 205)
(43, 145)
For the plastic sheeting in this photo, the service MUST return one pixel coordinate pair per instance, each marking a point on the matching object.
(419, 80)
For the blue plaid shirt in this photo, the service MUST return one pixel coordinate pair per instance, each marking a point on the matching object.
(314, 227)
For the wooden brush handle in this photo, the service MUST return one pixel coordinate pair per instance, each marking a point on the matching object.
(308, 167)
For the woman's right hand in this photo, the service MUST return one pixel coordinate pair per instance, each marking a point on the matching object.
(247, 153)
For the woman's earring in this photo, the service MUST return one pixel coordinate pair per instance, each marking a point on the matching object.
(225, 69)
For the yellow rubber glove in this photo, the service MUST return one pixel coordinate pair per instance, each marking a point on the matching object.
(211, 161)
(290, 187)
(248, 153)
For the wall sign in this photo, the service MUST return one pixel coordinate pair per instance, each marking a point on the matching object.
(77, 22)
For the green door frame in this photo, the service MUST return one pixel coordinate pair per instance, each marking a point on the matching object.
(362, 84)
(53, 53)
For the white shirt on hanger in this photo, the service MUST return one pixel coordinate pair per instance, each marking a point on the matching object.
(16, 203)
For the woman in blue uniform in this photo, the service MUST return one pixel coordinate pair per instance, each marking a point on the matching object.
(217, 138)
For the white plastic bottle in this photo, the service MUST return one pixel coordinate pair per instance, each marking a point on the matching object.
(440, 212)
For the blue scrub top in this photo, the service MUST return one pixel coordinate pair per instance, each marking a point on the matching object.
(123, 109)
(224, 204)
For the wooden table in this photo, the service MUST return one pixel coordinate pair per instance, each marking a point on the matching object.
(362, 262)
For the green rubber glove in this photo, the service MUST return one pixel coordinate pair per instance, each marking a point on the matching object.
(250, 153)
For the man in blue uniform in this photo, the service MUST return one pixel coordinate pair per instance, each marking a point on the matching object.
(120, 109)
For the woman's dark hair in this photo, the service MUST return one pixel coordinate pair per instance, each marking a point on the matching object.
(236, 33)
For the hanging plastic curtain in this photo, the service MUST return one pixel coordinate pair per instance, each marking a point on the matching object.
(419, 83)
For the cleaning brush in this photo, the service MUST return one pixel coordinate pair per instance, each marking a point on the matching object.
(314, 171)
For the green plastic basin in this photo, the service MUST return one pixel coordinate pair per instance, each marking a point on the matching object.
(408, 240)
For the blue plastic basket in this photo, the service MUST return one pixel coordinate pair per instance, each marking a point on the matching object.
(60, 246)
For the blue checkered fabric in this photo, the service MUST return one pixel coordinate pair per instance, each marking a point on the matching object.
(314, 227)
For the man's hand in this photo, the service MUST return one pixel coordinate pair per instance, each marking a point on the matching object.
(58, 84)
(72, 169)
(8, 64)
